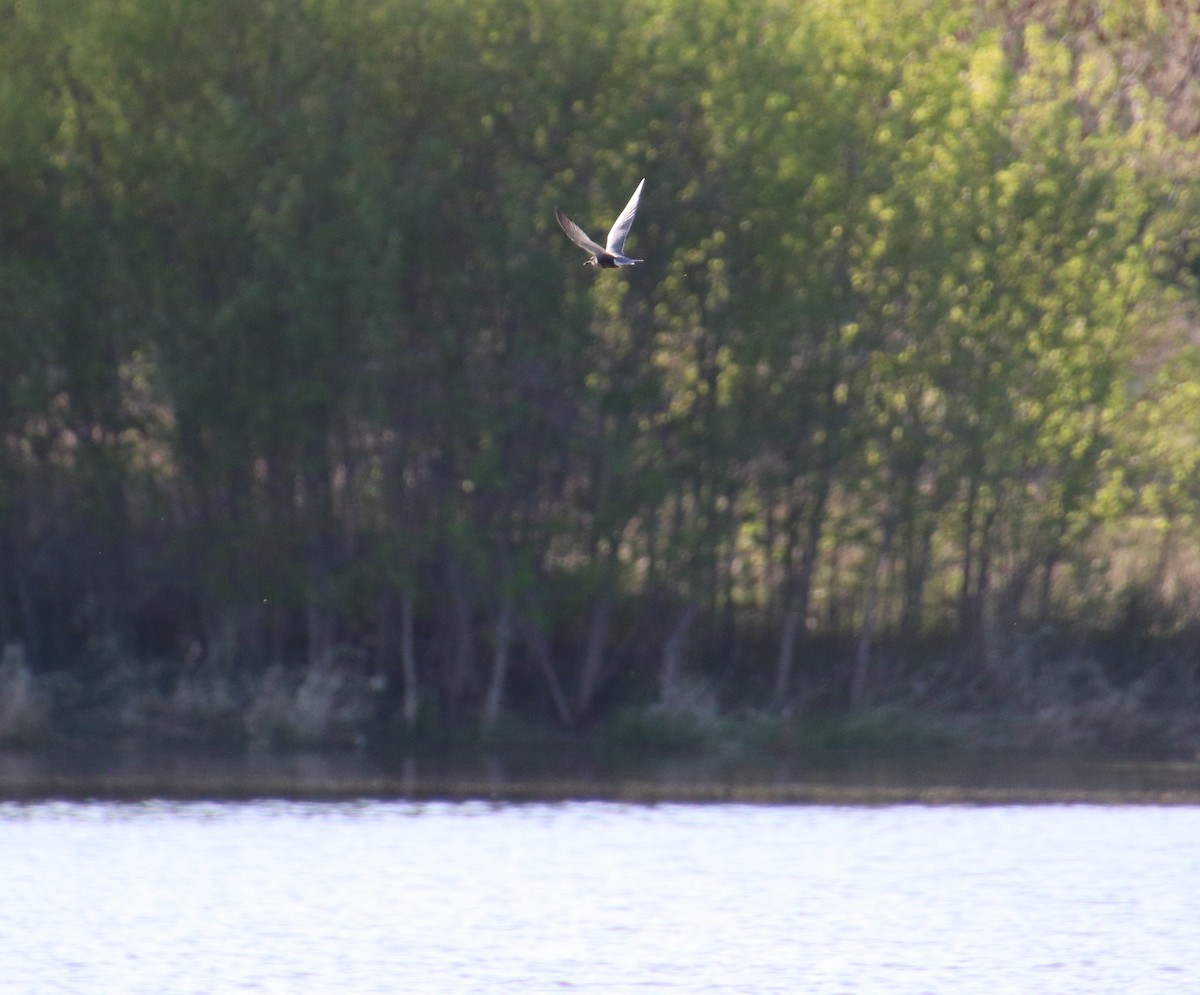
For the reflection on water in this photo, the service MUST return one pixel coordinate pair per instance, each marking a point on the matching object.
(554, 773)
(371, 897)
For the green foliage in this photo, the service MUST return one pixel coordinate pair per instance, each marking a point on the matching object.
(289, 334)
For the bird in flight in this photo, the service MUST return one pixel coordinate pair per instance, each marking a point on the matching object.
(612, 253)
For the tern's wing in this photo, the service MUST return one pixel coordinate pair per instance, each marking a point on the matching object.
(577, 234)
(620, 228)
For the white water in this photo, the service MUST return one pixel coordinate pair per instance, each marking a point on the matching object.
(595, 897)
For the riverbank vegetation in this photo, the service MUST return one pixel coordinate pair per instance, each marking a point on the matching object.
(313, 426)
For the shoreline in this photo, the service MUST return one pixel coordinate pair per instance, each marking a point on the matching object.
(134, 773)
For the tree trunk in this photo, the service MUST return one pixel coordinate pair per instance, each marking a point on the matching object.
(408, 658)
(501, 652)
(967, 609)
(860, 687)
(672, 655)
(539, 645)
(795, 618)
(1046, 592)
(592, 667)
(460, 660)
(319, 625)
(916, 571)
(30, 626)
(789, 643)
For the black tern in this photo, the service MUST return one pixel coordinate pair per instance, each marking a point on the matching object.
(612, 254)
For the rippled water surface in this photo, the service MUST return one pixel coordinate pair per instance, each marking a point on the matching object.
(596, 897)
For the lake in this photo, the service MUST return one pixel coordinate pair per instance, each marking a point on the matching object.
(393, 896)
